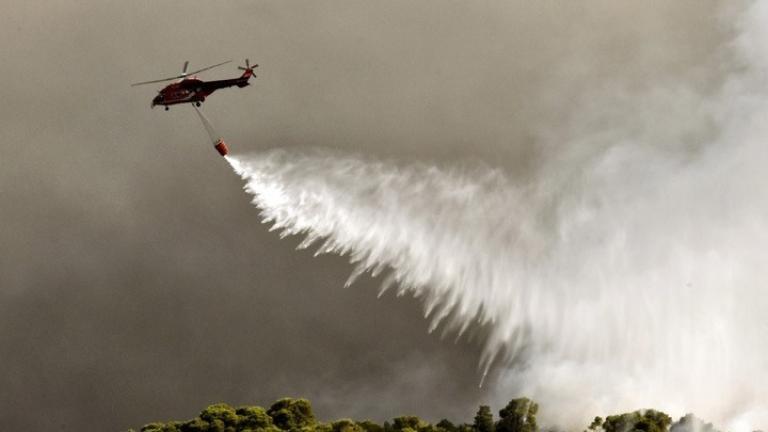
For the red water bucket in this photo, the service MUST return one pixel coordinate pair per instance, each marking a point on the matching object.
(221, 147)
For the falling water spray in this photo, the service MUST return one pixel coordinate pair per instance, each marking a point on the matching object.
(628, 272)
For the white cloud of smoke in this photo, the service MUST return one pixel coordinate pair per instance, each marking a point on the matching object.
(627, 272)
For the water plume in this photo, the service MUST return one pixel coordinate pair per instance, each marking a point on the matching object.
(627, 272)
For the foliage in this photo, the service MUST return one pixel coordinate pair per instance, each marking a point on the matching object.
(597, 423)
(369, 426)
(484, 419)
(638, 421)
(255, 418)
(346, 425)
(519, 415)
(408, 423)
(292, 414)
(445, 425)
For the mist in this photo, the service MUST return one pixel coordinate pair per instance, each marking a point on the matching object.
(625, 271)
(136, 283)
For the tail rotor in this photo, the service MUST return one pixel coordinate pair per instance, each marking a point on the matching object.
(248, 67)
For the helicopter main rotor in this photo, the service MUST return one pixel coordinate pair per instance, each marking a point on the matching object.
(184, 73)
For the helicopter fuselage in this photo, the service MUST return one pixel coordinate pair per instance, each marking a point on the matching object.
(194, 90)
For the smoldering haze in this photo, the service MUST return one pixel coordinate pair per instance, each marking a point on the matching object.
(627, 272)
(128, 249)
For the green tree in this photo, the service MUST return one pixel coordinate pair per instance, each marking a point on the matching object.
(638, 421)
(295, 415)
(219, 417)
(346, 425)
(292, 414)
(445, 425)
(195, 425)
(596, 424)
(369, 426)
(484, 419)
(408, 422)
(160, 427)
(254, 418)
(518, 416)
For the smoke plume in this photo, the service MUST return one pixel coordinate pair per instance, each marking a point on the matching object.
(626, 272)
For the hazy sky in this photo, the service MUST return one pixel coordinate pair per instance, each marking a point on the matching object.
(136, 282)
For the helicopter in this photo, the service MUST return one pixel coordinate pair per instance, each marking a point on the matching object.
(189, 89)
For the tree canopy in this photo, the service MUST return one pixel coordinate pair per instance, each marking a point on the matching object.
(519, 415)
(484, 419)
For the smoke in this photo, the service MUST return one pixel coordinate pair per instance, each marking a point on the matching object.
(626, 272)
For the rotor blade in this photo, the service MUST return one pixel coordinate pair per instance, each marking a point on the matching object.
(248, 65)
(156, 81)
(241, 68)
(186, 63)
(209, 67)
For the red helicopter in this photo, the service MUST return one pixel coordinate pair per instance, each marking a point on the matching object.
(190, 89)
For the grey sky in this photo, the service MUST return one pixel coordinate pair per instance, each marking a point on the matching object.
(136, 282)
